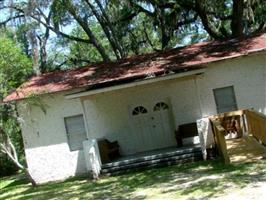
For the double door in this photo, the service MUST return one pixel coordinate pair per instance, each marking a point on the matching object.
(152, 126)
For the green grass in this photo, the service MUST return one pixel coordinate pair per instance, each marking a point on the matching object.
(200, 180)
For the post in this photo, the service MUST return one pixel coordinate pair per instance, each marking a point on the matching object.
(92, 157)
(219, 132)
(205, 135)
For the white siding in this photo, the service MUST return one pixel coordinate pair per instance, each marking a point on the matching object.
(46, 146)
(246, 74)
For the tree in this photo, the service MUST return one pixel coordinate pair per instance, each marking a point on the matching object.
(224, 19)
(130, 26)
(15, 67)
(168, 17)
(82, 54)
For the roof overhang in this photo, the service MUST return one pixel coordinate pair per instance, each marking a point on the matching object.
(136, 83)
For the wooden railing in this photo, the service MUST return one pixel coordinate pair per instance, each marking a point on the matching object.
(219, 137)
(220, 129)
(252, 122)
(256, 125)
(236, 116)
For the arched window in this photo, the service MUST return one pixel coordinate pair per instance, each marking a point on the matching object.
(160, 106)
(139, 110)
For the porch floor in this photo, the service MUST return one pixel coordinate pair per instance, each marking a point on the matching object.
(246, 149)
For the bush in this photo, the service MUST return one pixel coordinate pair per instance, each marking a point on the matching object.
(7, 167)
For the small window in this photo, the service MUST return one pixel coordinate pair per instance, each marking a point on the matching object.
(225, 99)
(160, 106)
(76, 132)
(139, 110)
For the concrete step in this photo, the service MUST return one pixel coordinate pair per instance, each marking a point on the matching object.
(181, 151)
(153, 166)
(152, 163)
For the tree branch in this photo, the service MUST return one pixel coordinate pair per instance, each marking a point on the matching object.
(205, 21)
(187, 21)
(223, 17)
(139, 9)
(84, 24)
(106, 27)
(55, 30)
(260, 28)
(3, 23)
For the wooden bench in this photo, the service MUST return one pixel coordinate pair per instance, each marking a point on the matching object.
(185, 131)
(108, 150)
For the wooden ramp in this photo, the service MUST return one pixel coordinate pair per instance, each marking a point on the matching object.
(246, 149)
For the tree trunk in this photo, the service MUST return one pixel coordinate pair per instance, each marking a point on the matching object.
(106, 26)
(111, 27)
(199, 8)
(29, 177)
(7, 147)
(164, 35)
(34, 51)
(43, 53)
(237, 26)
(84, 24)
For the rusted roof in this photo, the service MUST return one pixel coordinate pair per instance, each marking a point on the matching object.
(139, 67)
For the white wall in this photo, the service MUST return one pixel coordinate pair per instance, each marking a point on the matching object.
(108, 114)
(47, 152)
(246, 74)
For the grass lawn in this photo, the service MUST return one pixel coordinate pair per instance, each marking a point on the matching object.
(200, 180)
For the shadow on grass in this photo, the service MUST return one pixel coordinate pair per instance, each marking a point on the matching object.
(206, 179)
(12, 181)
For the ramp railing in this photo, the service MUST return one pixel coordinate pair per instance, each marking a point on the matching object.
(256, 122)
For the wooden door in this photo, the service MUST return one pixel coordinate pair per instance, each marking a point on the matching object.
(152, 127)
(163, 131)
(141, 128)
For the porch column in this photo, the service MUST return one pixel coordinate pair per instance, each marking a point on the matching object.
(85, 117)
(205, 135)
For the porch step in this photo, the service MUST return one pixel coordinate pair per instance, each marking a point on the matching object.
(151, 161)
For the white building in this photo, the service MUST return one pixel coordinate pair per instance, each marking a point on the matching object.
(138, 101)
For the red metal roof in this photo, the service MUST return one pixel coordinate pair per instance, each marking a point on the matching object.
(139, 67)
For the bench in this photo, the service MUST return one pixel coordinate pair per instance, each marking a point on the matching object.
(185, 131)
(108, 150)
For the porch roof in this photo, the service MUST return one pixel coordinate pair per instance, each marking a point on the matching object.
(139, 67)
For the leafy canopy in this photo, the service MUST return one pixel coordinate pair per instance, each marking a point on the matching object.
(15, 66)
